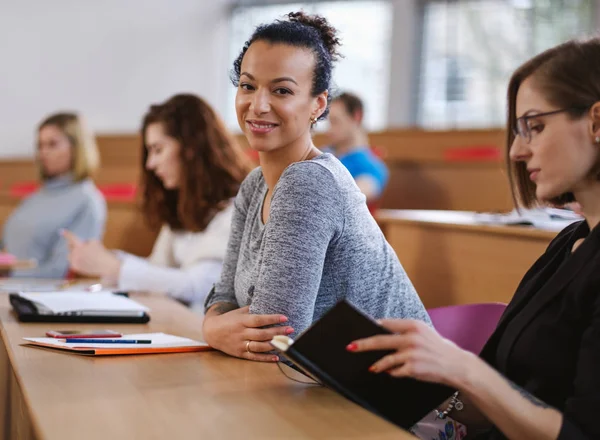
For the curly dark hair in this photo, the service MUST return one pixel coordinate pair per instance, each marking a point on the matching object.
(301, 30)
(213, 165)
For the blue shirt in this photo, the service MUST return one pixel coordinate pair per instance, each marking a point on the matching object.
(363, 162)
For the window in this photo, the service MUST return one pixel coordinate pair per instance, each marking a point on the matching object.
(471, 47)
(364, 70)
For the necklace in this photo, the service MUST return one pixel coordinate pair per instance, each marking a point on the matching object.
(308, 151)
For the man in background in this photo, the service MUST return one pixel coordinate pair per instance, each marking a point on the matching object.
(349, 142)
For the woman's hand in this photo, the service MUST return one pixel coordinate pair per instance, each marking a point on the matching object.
(420, 353)
(91, 258)
(239, 334)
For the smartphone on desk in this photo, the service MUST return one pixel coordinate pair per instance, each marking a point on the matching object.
(71, 334)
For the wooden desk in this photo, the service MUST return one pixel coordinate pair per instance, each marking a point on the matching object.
(49, 395)
(453, 260)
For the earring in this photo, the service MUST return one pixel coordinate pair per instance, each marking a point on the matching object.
(313, 121)
(597, 140)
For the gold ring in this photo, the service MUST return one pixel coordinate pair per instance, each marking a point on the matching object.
(248, 346)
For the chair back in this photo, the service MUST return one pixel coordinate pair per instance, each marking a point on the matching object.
(470, 325)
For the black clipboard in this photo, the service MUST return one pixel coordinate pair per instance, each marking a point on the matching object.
(321, 352)
(26, 311)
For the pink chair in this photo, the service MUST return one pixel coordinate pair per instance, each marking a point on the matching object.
(469, 326)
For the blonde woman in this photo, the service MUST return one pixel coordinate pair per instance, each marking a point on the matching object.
(67, 156)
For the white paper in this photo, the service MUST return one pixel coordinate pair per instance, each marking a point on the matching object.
(542, 218)
(71, 301)
(12, 286)
(159, 340)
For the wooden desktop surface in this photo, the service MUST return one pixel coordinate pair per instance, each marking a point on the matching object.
(451, 259)
(50, 395)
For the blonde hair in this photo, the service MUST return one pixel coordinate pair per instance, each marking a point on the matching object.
(86, 158)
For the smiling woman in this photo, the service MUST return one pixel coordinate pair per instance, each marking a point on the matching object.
(302, 237)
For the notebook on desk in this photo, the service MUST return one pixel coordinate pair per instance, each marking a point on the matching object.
(321, 353)
(550, 219)
(83, 307)
(160, 343)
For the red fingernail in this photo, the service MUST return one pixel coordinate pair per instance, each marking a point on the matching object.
(289, 330)
(373, 369)
(352, 346)
(275, 359)
(283, 319)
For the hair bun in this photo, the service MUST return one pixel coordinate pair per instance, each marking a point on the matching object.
(327, 32)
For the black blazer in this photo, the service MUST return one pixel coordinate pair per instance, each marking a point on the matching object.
(548, 339)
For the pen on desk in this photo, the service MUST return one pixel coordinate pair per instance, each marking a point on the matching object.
(106, 341)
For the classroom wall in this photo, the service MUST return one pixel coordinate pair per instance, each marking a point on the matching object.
(108, 59)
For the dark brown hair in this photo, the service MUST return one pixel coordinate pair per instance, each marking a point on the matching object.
(306, 31)
(352, 103)
(568, 76)
(213, 165)
(86, 158)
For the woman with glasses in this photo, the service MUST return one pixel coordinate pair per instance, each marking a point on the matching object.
(538, 376)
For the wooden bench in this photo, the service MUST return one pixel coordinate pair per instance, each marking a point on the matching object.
(451, 259)
(209, 395)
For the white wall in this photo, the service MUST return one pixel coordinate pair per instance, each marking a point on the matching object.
(108, 59)
(403, 59)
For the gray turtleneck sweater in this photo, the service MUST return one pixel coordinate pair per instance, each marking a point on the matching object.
(34, 229)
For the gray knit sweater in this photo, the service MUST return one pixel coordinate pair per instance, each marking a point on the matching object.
(320, 245)
(33, 230)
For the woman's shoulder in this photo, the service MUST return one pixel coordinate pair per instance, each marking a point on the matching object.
(90, 194)
(324, 172)
(222, 219)
(251, 183)
(253, 179)
(569, 233)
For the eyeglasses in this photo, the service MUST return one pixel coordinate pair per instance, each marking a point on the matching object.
(523, 129)
(294, 373)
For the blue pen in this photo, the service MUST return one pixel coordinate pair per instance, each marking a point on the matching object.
(107, 341)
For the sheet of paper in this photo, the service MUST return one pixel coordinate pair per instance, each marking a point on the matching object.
(13, 286)
(159, 340)
(82, 301)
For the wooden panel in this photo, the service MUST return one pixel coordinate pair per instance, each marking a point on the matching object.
(466, 187)
(421, 177)
(126, 229)
(173, 396)
(17, 171)
(462, 263)
(429, 146)
(123, 150)
(410, 145)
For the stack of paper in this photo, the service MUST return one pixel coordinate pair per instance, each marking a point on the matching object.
(161, 343)
(543, 218)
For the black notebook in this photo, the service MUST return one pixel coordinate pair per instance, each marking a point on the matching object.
(321, 352)
(29, 311)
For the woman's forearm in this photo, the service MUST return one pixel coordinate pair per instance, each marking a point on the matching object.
(514, 411)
